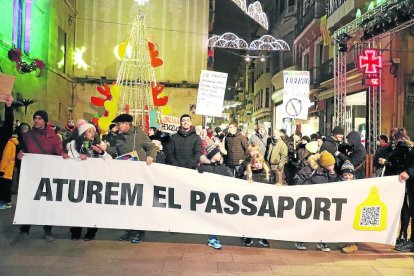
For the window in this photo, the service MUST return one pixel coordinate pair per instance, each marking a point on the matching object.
(22, 15)
(267, 102)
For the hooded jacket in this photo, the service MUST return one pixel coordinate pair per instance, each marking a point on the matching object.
(313, 173)
(184, 148)
(356, 154)
(8, 160)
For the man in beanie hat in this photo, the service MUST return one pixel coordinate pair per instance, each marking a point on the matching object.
(41, 139)
(129, 139)
(212, 162)
(320, 170)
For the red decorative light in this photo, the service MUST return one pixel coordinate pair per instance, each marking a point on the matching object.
(370, 61)
(371, 81)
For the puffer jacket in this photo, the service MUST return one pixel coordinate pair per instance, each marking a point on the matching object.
(124, 143)
(357, 154)
(8, 160)
(313, 173)
(237, 149)
(184, 149)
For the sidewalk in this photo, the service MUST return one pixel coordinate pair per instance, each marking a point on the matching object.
(183, 254)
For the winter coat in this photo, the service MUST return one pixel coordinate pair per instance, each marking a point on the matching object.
(47, 138)
(110, 138)
(124, 143)
(216, 168)
(260, 141)
(6, 130)
(8, 159)
(71, 149)
(236, 147)
(313, 173)
(356, 154)
(184, 149)
(276, 153)
(330, 145)
(382, 152)
(400, 158)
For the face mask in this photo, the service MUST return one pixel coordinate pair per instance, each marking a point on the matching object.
(71, 126)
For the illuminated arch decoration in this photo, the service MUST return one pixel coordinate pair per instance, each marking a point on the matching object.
(269, 43)
(78, 58)
(265, 43)
(255, 11)
(227, 40)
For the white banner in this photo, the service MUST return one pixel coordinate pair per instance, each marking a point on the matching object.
(296, 94)
(211, 93)
(131, 195)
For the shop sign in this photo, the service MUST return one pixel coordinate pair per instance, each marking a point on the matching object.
(371, 81)
(370, 63)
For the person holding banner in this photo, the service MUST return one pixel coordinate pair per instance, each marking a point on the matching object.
(41, 139)
(184, 148)
(128, 140)
(235, 147)
(320, 170)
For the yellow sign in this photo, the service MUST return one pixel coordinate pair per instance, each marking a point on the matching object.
(371, 215)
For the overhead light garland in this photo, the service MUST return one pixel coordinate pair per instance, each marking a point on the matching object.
(255, 11)
(232, 41)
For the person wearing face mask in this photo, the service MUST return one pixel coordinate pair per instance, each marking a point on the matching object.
(276, 155)
(70, 129)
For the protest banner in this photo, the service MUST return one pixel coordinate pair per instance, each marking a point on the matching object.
(131, 195)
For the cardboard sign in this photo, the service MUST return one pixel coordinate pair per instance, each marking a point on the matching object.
(169, 124)
(6, 86)
(296, 94)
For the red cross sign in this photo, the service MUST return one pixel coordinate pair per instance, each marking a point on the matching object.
(370, 61)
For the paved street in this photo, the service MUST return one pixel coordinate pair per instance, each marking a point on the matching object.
(182, 254)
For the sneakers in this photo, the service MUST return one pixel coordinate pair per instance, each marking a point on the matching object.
(137, 238)
(214, 243)
(408, 246)
(4, 205)
(248, 242)
(19, 238)
(264, 242)
(323, 246)
(300, 246)
(400, 241)
(350, 249)
(49, 237)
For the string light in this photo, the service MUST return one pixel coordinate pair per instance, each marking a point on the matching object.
(265, 43)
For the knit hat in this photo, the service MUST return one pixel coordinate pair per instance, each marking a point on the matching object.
(326, 159)
(347, 167)
(211, 151)
(85, 127)
(123, 118)
(42, 114)
(338, 130)
(312, 147)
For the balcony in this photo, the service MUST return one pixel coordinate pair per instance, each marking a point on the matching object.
(327, 70)
(315, 76)
(314, 11)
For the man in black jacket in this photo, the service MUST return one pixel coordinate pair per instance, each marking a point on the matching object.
(331, 144)
(7, 129)
(184, 148)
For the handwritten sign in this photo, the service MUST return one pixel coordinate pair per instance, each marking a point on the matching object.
(169, 124)
(296, 94)
(6, 86)
(211, 93)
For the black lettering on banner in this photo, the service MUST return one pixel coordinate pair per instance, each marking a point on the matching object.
(252, 209)
(59, 187)
(109, 193)
(234, 206)
(134, 196)
(81, 191)
(214, 203)
(299, 208)
(282, 207)
(94, 188)
(338, 211)
(171, 202)
(197, 197)
(158, 196)
(44, 184)
(322, 205)
(267, 207)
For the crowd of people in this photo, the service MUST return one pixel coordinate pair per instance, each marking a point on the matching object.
(276, 159)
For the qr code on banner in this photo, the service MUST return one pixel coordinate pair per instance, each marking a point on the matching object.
(370, 216)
